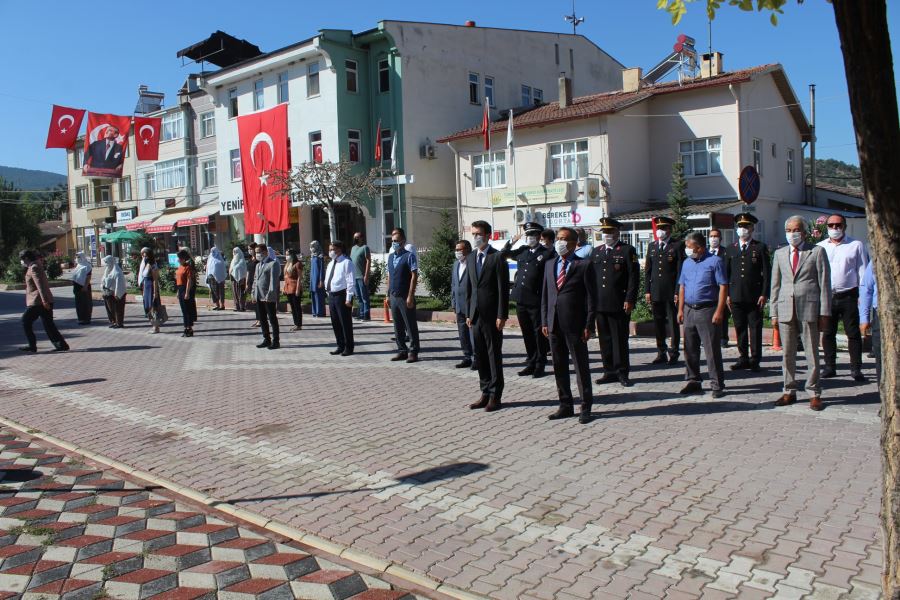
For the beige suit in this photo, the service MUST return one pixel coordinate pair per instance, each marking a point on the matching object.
(798, 299)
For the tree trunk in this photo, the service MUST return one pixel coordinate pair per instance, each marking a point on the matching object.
(332, 224)
(865, 42)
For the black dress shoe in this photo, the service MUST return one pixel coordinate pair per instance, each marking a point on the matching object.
(28, 349)
(493, 403)
(584, 417)
(400, 356)
(539, 372)
(336, 352)
(482, 402)
(526, 371)
(623, 379)
(264, 344)
(718, 393)
(274, 346)
(740, 364)
(857, 376)
(464, 364)
(828, 373)
(692, 387)
(660, 359)
(673, 358)
(64, 347)
(607, 378)
(347, 353)
(474, 366)
(562, 413)
(413, 357)
(755, 368)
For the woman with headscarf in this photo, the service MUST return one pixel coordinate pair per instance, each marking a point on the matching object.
(266, 293)
(81, 288)
(148, 280)
(317, 278)
(237, 272)
(215, 278)
(186, 284)
(114, 288)
(293, 274)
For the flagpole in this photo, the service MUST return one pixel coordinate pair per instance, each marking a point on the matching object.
(510, 149)
(490, 157)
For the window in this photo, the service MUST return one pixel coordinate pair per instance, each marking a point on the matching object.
(312, 79)
(210, 173)
(386, 142)
(487, 173)
(473, 89)
(526, 95)
(78, 158)
(350, 66)
(315, 146)
(232, 103)
(773, 151)
(235, 156)
(384, 76)
(149, 184)
(569, 160)
(81, 196)
(259, 101)
(757, 155)
(207, 124)
(538, 96)
(387, 207)
(170, 174)
(556, 52)
(790, 165)
(125, 189)
(283, 93)
(571, 60)
(701, 157)
(102, 194)
(489, 90)
(172, 126)
(353, 144)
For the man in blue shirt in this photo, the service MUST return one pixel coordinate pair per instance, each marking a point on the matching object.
(702, 291)
(868, 313)
(403, 274)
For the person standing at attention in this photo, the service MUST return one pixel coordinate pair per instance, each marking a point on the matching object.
(251, 276)
(339, 280)
(459, 301)
(114, 287)
(661, 269)
(317, 279)
(81, 288)
(749, 272)
(237, 271)
(38, 303)
(362, 264)
(148, 280)
(716, 248)
(293, 275)
(266, 293)
(186, 286)
(215, 278)
(403, 274)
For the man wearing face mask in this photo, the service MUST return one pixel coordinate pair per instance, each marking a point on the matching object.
(526, 292)
(488, 311)
(403, 274)
(847, 258)
(459, 301)
(339, 284)
(800, 303)
(747, 267)
(548, 236)
(266, 291)
(661, 269)
(717, 249)
(567, 319)
(615, 281)
(703, 289)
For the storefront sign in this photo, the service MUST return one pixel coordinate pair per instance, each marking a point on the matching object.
(231, 207)
(552, 193)
(124, 216)
(566, 216)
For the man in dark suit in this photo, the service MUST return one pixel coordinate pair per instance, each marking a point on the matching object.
(748, 269)
(661, 269)
(567, 318)
(526, 291)
(716, 248)
(106, 153)
(488, 311)
(459, 301)
(615, 283)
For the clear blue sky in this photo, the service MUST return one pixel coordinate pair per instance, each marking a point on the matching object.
(95, 55)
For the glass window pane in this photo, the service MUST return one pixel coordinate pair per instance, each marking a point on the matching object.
(687, 161)
(556, 165)
(478, 178)
(700, 163)
(569, 147)
(715, 143)
(714, 165)
(500, 170)
(582, 165)
(685, 146)
(699, 145)
(582, 146)
(555, 149)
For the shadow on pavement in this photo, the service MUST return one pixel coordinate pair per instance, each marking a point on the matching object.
(684, 409)
(114, 349)
(77, 382)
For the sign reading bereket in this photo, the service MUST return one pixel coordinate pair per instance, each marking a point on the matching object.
(231, 207)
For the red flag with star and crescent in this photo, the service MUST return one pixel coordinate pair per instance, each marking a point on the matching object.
(105, 145)
(146, 137)
(64, 125)
(264, 149)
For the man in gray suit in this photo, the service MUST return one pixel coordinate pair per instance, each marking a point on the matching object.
(459, 301)
(800, 303)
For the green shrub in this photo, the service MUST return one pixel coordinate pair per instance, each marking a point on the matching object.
(53, 265)
(14, 272)
(436, 265)
(377, 269)
(167, 279)
(642, 312)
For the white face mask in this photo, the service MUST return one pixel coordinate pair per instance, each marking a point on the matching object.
(332, 254)
(835, 233)
(459, 255)
(690, 252)
(662, 235)
(608, 239)
(714, 242)
(562, 247)
(531, 241)
(743, 233)
(794, 238)
(479, 241)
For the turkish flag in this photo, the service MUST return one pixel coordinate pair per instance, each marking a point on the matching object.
(378, 142)
(486, 126)
(64, 125)
(263, 144)
(146, 133)
(105, 145)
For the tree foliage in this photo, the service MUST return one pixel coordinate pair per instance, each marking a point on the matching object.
(678, 201)
(19, 218)
(678, 8)
(436, 265)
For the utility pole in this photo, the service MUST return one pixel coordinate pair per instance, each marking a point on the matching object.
(812, 144)
(574, 19)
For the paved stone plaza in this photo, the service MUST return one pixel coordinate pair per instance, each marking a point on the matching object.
(660, 496)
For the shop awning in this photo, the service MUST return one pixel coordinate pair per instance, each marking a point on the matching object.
(165, 223)
(136, 225)
(200, 215)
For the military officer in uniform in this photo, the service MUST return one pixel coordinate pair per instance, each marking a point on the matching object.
(661, 269)
(748, 270)
(616, 281)
(530, 259)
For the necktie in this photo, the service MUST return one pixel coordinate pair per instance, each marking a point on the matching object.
(743, 248)
(795, 258)
(479, 263)
(108, 147)
(561, 278)
(330, 275)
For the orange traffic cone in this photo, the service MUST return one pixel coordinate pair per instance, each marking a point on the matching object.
(387, 310)
(776, 339)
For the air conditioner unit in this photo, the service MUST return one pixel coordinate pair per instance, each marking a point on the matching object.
(521, 216)
(427, 151)
(590, 192)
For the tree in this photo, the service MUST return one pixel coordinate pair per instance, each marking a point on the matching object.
(678, 201)
(865, 43)
(327, 184)
(19, 220)
(436, 265)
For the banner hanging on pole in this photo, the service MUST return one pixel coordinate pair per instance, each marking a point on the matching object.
(264, 150)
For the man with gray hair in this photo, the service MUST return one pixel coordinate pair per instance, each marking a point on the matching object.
(800, 304)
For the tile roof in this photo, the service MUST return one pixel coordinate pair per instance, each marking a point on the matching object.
(663, 210)
(828, 187)
(609, 102)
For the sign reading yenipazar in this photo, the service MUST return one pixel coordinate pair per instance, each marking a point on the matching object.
(552, 193)
(231, 207)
